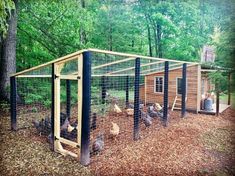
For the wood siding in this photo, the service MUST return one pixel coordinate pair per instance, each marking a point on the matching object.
(192, 87)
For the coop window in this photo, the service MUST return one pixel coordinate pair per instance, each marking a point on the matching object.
(158, 84)
(179, 86)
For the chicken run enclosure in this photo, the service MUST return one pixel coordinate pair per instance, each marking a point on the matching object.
(85, 102)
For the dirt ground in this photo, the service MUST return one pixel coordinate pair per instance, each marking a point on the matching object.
(195, 145)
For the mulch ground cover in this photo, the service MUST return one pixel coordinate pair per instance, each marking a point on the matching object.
(195, 145)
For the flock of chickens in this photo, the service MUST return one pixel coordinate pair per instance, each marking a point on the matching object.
(153, 111)
(69, 131)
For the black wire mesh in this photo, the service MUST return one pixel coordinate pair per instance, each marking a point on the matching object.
(113, 83)
(34, 106)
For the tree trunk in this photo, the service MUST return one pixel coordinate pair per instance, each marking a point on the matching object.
(83, 37)
(8, 55)
(110, 38)
(150, 42)
(110, 29)
(159, 38)
(155, 41)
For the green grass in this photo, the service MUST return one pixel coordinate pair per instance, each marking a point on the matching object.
(120, 94)
(233, 100)
(224, 99)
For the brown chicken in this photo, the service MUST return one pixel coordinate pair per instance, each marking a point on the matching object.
(114, 131)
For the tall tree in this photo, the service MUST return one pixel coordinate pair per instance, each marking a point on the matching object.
(8, 54)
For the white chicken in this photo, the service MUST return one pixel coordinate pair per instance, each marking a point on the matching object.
(70, 128)
(114, 131)
(130, 112)
(117, 109)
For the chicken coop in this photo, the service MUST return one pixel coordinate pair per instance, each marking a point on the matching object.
(92, 100)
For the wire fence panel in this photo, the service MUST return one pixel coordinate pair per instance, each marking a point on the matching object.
(126, 102)
(34, 106)
(112, 101)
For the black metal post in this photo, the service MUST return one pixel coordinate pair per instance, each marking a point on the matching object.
(13, 103)
(136, 99)
(229, 88)
(165, 103)
(86, 103)
(52, 105)
(68, 98)
(127, 90)
(217, 103)
(183, 87)
(103, 89)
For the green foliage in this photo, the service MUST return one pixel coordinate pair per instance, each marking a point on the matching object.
(177, 29)
(49, 29)
(5, 11)
(219, 80)
(5, 106)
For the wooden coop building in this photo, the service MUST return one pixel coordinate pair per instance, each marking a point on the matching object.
(82, 93)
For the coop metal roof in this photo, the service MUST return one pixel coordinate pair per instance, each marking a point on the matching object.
(109, 63)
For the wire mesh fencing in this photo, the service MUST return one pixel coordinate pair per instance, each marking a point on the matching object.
(128, 99)
(120, 113)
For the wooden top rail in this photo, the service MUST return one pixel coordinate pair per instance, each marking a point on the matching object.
(70, 56)
(75, 54)
(137, 56)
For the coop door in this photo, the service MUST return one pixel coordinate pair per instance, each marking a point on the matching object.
(68, 105)
(179, 86)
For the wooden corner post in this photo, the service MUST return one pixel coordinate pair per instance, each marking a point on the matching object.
(86, 103)
(183, 86)
(165, 103)
(13, 103)
(137, 99)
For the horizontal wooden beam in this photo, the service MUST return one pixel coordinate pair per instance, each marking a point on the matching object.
(70, 77)
(75, 54)
(112, 75)
(169, 70)
(131, 68)
(112, 63)
(33, 76)
(136, 56)
(210, 70)
(152, 69)
(64, 152)
(68, 142)
(70, 56)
